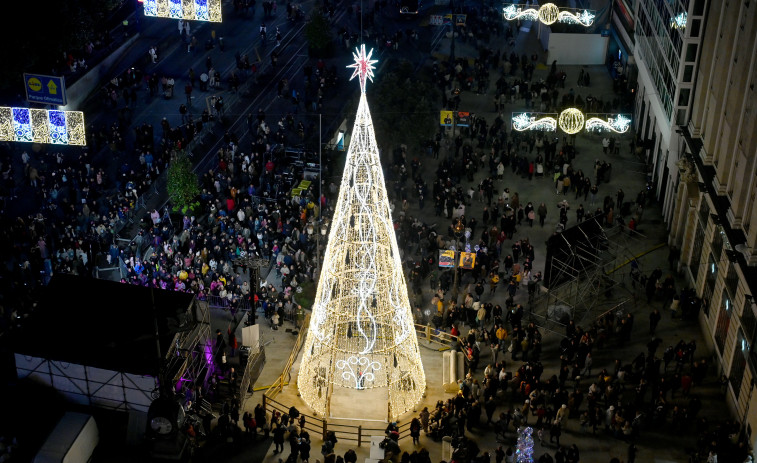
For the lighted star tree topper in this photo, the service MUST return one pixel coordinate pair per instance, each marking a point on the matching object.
(361, 333)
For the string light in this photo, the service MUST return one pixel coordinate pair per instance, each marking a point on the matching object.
(513, 12)
(571, 121)
(525, 121)
(42, 126)
(548, 14)
(361, 332)
(524, 448)
(583, 18)
(197, 10)
(617, 124)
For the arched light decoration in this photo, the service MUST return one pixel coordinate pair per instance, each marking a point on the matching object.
(361, 333)
(526, 121)
(618, 124)
(571, 121)
(549, 13)
(679, 21)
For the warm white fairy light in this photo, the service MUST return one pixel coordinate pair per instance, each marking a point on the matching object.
(361, 332)
(524, 121)
(513, 12)
(584, 18)
(571, 121)
(548, 14)
(617, 124)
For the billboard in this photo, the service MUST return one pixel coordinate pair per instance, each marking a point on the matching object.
(45, 89)
(446, 258)
(467, 260)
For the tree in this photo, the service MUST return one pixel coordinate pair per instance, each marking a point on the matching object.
(406, 104)
(318, 34)
(182, 184)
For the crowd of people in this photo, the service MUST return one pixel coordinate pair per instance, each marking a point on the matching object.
(245, 210)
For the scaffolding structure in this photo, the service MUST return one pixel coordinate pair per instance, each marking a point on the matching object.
(190, 357)
(590, 277)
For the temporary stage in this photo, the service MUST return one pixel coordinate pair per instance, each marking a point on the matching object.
(106, 344)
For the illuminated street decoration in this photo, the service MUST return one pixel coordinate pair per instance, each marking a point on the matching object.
(548, 14)
(618, 124)
(361, 333)
(197, 10)
(583, 18)
(526, 121)
(42, 126)
(571, 121)
(679, 21)
(513, 12)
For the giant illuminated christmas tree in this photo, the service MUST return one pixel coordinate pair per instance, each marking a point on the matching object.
(361, 334)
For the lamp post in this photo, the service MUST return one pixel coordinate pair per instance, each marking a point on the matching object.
(459, 228)
(452, 46)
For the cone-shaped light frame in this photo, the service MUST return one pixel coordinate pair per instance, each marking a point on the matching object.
(361, 333)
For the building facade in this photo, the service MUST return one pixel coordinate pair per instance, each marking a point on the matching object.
(668, 36)
(714, 221)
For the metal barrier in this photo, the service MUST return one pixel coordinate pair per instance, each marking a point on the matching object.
(445, 340)
(251, 372)
(343, 431)
(237, 303)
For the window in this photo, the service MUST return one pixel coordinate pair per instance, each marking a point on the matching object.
(731, 280)
(749, 321)
(717, 243)
(688, 72)
(704, 213)
(696, 253)
(696, 25)
(724, 322)
(738, 364)
(681, 116)
(698, 7)
(683, 97)
(691, 52)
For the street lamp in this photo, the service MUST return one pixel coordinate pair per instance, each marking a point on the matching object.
(452, 46)
(458, 229)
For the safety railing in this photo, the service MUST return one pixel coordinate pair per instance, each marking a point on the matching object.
(348, 432)
(443, 339)
(274, 389)
(251, 371)
(237, 303)
(344, 432)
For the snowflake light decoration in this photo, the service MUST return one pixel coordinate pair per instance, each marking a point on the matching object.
(679, 21)
(524, 121)
(363, 66)
(617, 124)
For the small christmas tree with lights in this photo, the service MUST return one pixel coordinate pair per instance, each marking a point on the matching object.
(524, 452)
